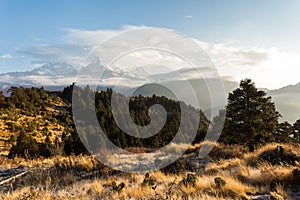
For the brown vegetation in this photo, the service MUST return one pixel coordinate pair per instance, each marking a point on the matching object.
(82, 177)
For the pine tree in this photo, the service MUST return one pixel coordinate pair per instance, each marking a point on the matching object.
(251, 117)
(26, 146)
(285, 130)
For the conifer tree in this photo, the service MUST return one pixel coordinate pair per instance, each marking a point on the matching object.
(251, 117)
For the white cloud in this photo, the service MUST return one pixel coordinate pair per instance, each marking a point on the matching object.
(281, 69)
(237, 55)
(188, 16)
(6, 56)
(271, 68)
(134, 45)
(94, 37)
(268, 67)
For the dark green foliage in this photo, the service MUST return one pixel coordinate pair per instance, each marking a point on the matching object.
(29, 100)
(251, 118)
(148, 180)
(67, 93)
(48, 148)
(190, 180)
(73, 144)
(139, 112)
(2, 99)
(26, 146)
(32, 101)
(284, 131)
(220, 182)
(296, 131)
(174, 168)
(217, 125)
(118, 188)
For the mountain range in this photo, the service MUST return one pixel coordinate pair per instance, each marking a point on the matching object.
(137, 80)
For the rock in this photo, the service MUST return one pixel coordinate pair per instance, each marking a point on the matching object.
(271, 196)
(11, 174)
(261, 197)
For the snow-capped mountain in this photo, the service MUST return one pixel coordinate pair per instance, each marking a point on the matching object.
(63, 74)
(49, 69)
(138, 72)
(58, 75)
(95, 68)
(55, 69)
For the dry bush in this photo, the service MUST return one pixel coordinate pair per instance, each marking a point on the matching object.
(138, 149)
(222, 151)
(219, 150)
(256, 157)
(236, 187)
(222, 165)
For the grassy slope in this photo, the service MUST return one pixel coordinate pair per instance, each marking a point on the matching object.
(82, 177)
(19, 119)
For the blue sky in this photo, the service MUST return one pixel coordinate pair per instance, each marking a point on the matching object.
(272, 26)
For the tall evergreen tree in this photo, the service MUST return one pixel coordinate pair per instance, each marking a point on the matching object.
(251, 117)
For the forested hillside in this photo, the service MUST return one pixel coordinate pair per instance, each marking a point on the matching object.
(255, 156)
(39, 123)
(36, 122)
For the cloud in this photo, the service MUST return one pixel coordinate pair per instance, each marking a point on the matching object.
(37, 80)
(188, 16)
(253, 57)
(238, 55)
(269, 67)
(94, 37)
(135, 39)
(46, 53)
(74, 48)
(280, 69)
(6, 56)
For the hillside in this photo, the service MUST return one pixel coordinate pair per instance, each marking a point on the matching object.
(228, 172)
(287, 102)
(47, 160)
(46, 118)
(34, 112)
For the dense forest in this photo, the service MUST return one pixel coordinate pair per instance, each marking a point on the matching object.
(32, 102)
(36, 122)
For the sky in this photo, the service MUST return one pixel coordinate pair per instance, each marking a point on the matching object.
(257, 39)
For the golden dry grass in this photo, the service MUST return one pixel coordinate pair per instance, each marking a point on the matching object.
(254, 156)
(17, 119)
(242, 180)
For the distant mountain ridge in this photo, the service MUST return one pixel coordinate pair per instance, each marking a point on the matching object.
(287, 102)
(49, 69)
(56, 76)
